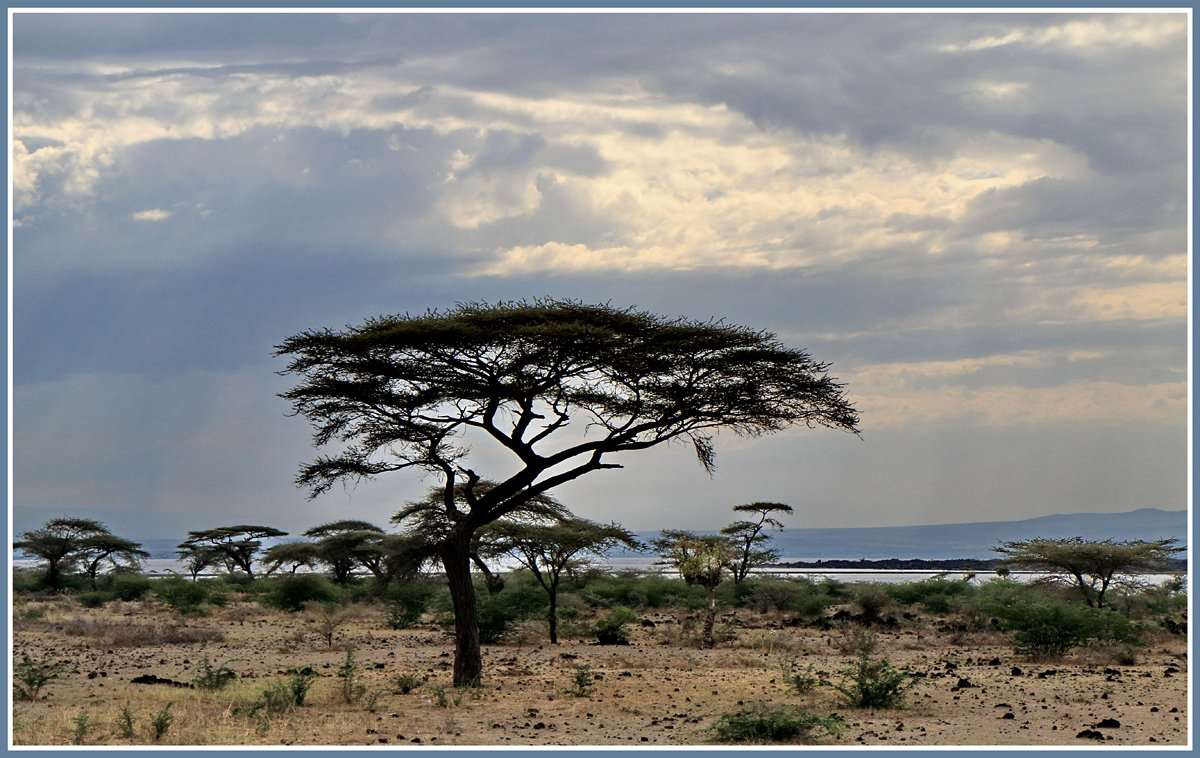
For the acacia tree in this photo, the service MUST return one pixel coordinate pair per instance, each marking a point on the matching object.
(120, 552)
(294, 554)
(701, 560)
(341, 545)
(749, 536)
(59, 542)
(425, 527)
(236, 545)
(196, 558)
(414, 392)
(548, 550)
(1091, 566)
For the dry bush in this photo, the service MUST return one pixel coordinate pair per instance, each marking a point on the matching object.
(116, 634)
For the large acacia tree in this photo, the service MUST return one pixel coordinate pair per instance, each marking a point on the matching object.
(1091, 566)
(561, 385)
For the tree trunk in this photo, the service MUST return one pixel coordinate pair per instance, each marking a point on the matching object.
(710, 617)
(468, 660)
(552, 615)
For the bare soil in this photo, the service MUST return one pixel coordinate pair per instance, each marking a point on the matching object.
(971, 688)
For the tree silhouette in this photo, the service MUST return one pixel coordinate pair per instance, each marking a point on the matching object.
(237, 546)
(417, 391)
(748, 536)
(547, 550)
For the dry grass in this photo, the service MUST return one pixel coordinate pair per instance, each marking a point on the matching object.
(117, 634)
(668, 693)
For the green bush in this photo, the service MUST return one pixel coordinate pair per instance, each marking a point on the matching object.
(786, 723)
(937, 595)
(213, 678)
(125, 586)
(292, 591)
(643, 592)
(496, 614)
(93, 599)
(182, 595)
(406, 603)
(611, 630)
(1049, 630)
(874, 684)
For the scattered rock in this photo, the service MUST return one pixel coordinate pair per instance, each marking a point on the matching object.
(1090, 734)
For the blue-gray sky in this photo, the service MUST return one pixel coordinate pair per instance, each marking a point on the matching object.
(979, 219)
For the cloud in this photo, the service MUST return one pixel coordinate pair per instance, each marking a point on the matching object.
(156, 214)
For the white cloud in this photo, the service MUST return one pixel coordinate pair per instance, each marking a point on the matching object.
(155, 214)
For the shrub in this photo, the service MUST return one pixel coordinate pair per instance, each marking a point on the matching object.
(583, 680)
(406, 683)
(611, 629)
(292, 592)
(282, 697)
(804, 681)
(1049, 630)
(213, 678)
(406, 603)
(352, 689)
(496, 614)
(125, 721)
(161, 722)
(871, 683)
(643, 592)
(93, 599)
(127, 587)
(181, 595)
(759, 724)
(30, 676)
(935, 594)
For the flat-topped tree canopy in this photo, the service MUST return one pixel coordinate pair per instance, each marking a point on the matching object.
(399, 391)
(403, 391)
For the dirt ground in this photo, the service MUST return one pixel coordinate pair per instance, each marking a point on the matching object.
(971, 688)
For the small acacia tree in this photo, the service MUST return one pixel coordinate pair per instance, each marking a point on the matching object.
(342, 545)
(293, 554)
(60, 543)
(702, 560)
(118, 551)
(414, 392)
(1091, 566)
(748, 535)
(236, 545)
(548, 550)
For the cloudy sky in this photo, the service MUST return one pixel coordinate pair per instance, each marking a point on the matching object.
(980, 221)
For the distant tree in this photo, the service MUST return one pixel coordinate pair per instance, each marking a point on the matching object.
(59, 542)
(197, 558)
(548, 550)
(424, 526)
(1091, 566)
(344, 545)
(237, 545)
(294, 554)
(400, 392)
(699, 559)
(749, 536)
(118, 551)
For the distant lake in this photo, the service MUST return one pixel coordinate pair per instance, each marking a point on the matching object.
(168, 566)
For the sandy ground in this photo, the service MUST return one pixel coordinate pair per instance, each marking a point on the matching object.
(971, 688)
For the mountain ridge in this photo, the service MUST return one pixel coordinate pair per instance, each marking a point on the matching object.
(975, 540)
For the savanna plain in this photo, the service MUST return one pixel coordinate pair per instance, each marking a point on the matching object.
(296, 660)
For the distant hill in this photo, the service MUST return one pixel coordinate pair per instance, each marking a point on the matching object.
(974, 540)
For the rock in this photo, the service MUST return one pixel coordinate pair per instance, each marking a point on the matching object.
(1017, 671)
(1090, 734)
(1108, 724)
